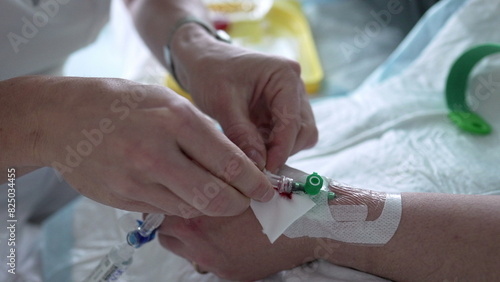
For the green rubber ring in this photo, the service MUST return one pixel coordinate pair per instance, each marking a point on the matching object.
(456, 89)
(314, 182)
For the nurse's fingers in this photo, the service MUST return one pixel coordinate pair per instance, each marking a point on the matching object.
(163, 200)
(219, 156)
(243, 133)
(197, 188)
(286, 119)
(308, 132)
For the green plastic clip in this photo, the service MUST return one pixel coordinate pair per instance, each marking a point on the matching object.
(456, 89)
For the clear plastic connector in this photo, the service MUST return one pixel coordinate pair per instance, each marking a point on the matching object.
(283, 184)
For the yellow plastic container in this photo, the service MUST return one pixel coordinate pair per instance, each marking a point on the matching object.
(286, 23)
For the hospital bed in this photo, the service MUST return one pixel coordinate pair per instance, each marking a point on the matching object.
(390, 133)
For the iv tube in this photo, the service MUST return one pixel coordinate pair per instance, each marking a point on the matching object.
(113, 265)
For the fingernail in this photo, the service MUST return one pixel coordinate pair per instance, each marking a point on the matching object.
(257, 158)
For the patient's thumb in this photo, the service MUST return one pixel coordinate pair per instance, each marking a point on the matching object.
(246, 136)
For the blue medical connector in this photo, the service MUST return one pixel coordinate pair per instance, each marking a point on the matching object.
(120, 257)
(146, 230)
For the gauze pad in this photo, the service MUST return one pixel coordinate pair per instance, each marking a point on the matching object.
(278, 214)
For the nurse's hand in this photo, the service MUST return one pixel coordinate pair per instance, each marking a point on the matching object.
(258, 99)
(233, 248)
(141, 148)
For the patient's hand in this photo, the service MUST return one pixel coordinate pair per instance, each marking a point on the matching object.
(233, 247)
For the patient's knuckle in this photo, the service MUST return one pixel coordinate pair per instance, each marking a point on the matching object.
(229, 272)
(165, 242)
(207, 260)
(186, 228)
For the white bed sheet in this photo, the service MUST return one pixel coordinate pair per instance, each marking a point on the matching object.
(392, 135)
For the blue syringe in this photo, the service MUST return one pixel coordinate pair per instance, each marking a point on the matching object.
(120, 257)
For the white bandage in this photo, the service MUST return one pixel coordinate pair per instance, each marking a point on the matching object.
(347, 223)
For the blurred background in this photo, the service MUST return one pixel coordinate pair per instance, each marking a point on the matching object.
(352, 38)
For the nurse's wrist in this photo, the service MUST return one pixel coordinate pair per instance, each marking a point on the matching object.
(20, 132)
(184, 48)
(189, 46)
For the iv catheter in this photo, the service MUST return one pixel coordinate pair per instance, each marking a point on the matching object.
(286, 185)
(119, 258)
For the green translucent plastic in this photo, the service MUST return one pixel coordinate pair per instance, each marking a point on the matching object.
(456, 89)
(470, 122)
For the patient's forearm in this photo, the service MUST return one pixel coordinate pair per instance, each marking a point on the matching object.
(440, 236)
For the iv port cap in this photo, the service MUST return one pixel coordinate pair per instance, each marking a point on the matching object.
(313, 185)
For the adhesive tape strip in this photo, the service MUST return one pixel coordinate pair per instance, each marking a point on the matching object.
(456, 88)
(335, 222)
(378, 231)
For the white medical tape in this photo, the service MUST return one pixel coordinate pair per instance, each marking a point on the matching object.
(319, 222)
